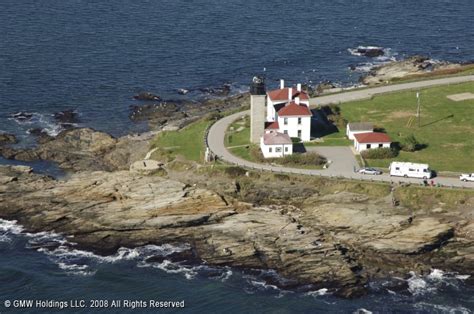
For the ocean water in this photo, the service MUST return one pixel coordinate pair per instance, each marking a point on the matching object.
(93, 56)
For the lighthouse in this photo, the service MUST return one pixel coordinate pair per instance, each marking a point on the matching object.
(257, 109)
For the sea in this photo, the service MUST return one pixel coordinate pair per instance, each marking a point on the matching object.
(92, 57)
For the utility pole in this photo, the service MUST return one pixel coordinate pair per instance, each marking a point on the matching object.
(418, 113)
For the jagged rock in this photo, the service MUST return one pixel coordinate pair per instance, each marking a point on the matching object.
(6, 138)
(411, 66)
(146, 96)
(67, 117)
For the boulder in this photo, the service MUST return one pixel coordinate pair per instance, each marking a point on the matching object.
(67, 117)
(6, 138)
(147, 96)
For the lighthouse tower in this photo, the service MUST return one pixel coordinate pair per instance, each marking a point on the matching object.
(257, 109)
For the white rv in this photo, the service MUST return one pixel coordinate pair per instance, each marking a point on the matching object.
(409, 169)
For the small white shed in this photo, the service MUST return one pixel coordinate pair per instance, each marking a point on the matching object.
(358, 128)
(371, 140)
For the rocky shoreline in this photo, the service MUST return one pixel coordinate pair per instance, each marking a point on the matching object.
(314, 237)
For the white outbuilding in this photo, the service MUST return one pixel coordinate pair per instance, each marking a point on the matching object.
(276, 144)
(358, 128)
(364, 141)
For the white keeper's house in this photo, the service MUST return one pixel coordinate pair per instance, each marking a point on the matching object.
(277, 116)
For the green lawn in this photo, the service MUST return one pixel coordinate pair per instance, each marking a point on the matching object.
(447, 127)
(188, 142)
(238, 133)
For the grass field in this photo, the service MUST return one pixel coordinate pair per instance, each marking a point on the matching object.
(238, 133)
(447, 127)
(188, 142)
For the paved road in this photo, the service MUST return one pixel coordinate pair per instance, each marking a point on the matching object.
(340, 157)
(369, 92)
(217, 131)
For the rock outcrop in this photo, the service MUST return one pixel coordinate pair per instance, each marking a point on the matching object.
(83, 149)
(337, 241)
(6, 138)
(413, 66)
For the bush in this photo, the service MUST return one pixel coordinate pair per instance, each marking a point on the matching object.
(256, 153)
(379, 153)
(235, 171)
(410, 144)
(305, 159)
(213, 116)
(295, 140)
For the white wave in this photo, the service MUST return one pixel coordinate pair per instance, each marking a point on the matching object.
(317, 293)
(39, 120)
(436, 274)
(355, 51)
(9, 228)
(439, 308)
(417, 285)
(172, 268)
(462, 277)
(262, 285)
(362, 311)
(226, 275)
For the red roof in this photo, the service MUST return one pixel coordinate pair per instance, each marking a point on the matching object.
(293, 109)
(272, 125)
(276, 138)
(282, 94)
(373, 137)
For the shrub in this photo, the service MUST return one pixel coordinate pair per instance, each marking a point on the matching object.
(410, 144)
(305, 159)
(235, 171)
(213, 116)
(379, 153)
(256, 153)
(295, 140)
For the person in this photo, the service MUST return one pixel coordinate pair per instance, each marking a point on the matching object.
(432, 183)
(425, 182)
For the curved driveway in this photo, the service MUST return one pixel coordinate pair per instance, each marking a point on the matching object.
(216, 135)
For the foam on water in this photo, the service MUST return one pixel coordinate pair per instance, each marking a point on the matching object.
(45, 122)
(9, 228)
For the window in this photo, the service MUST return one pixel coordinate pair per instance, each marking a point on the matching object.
(285, 131)
(270, 150)
(299, 133)
(369, 146)
(278, 150)
(299, 120)
(380, 145)
(397, 168)
(285, 121)
(286, 149)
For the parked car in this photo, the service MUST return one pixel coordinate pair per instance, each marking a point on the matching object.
(371, 171)
(467, 177)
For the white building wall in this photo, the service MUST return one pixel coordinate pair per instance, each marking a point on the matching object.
(361, 147)
(271, 113)
(292, 127)
(277, 151)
